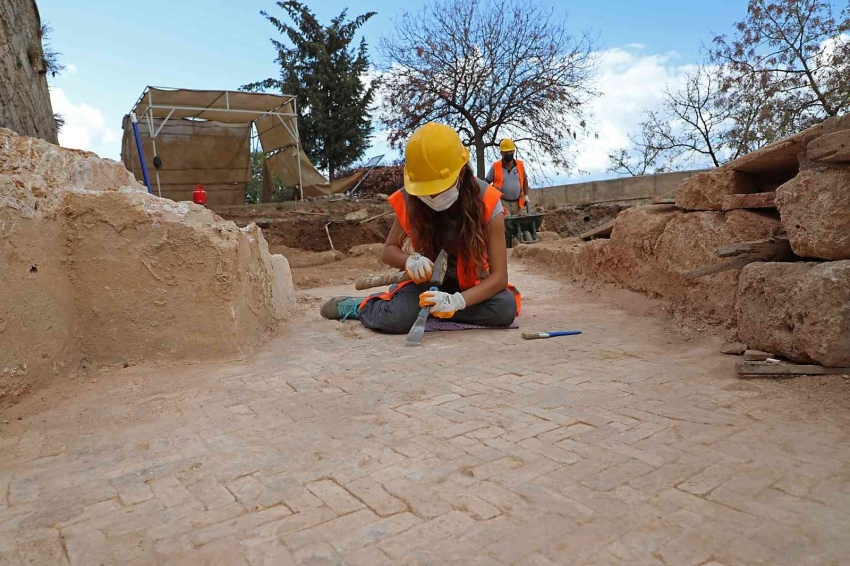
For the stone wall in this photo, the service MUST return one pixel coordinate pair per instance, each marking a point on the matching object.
(791, 211)
(24, 99)
(95, 271)
(626, 190)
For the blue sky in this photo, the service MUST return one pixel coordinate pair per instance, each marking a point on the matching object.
(114, 48)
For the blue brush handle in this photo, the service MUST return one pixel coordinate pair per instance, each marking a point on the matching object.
(424, 310)
(564, 333)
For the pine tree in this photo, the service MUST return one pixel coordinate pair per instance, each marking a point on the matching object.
(327, 75)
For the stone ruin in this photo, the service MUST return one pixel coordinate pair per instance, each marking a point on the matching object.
(94, 271)
(782, 213)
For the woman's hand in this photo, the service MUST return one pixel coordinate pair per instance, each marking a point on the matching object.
(443, 305)
(419, 268)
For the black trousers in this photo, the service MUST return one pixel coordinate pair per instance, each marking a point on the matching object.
(397, 315)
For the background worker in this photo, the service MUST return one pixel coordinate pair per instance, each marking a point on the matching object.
(442, 206)
(508, 175)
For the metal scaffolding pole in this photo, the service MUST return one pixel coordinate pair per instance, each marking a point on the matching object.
(298, 147)
(153, 140)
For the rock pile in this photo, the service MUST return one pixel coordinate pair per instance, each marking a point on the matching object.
(95, 271)
(787, 206)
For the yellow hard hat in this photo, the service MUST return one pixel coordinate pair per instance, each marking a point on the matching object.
(433, 159)
(506, 145)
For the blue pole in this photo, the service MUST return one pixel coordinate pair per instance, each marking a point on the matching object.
(135, 122)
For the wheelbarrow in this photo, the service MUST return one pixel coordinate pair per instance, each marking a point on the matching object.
(523, 227)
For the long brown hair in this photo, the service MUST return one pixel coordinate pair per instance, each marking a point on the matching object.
(430, 229)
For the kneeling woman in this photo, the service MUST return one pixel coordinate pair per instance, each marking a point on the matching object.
(442, 206)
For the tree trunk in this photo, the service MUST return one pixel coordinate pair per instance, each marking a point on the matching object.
(479, 157)
(24, 100)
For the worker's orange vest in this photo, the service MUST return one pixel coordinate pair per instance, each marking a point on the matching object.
(466, 275)
(499, 178)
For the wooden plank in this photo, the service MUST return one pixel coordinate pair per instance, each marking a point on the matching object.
(664, 200)
(603, 231)
(786, 369)
(736, 263)
(832, 148)
(376, 217)
(753, 200)
(772, 249)
(744, 253)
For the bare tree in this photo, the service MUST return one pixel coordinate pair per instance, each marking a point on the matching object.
(646, 156)
(793, 51)
(694, 126)
(490, 70)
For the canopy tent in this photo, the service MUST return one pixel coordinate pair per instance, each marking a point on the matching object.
(203, 136)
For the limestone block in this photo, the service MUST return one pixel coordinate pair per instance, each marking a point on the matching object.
(95, 271)
(706, 190)
(830, 148)
(815, 210)
(800, 311)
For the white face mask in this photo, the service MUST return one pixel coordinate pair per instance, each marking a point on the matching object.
(442, 201)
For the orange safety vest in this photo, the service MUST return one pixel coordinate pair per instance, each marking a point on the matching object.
(499, 179)
(466, 275)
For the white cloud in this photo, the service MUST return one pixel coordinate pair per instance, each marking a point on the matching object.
(629, 84)
(85, 127)
(70, 69)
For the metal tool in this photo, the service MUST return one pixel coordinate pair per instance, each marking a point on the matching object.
(541, 335)
(414, 337)
(393, 278)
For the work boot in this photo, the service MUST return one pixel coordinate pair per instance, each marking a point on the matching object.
(342, 308)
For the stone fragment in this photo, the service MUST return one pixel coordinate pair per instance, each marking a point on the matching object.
(756, 356)
(733, 348)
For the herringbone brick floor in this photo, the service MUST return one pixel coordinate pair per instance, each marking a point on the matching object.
(624, 446)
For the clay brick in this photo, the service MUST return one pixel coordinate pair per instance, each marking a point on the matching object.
(239, 525)
(376, 497)
(376, 532)
(335, 497)
(170, 491)
(331, 530)
(433, 532)
(616, 475)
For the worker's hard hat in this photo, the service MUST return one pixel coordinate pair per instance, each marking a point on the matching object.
(433, 159)
(507, 145)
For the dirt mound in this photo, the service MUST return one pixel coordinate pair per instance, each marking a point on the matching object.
(384, 179)
(302, 225)
(570, 221)
(96, 271)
